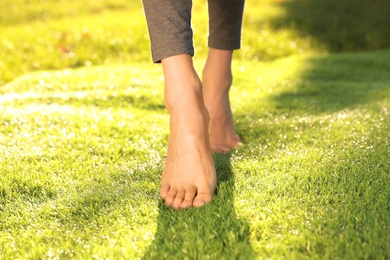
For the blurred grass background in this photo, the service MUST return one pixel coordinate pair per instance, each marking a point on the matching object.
(50, 35)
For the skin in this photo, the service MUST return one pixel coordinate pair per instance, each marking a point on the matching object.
(217, 79)
(200, 122)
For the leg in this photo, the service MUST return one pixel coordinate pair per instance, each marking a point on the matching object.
(225, 35)
(189, 178)
(217, 78)
(169, 25)
(225, 21)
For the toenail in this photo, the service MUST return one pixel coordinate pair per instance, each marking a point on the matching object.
(200, 203)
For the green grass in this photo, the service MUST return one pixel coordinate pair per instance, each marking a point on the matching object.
(83, 137)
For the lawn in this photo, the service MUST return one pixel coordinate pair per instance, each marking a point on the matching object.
(83, 134)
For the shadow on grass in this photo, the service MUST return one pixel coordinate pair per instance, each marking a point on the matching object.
(348, 25)
(211, 232)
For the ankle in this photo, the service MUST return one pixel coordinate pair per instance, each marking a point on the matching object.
(183, 87)
(183, 99)
(217, 72)
(189, 116)
(215, 83)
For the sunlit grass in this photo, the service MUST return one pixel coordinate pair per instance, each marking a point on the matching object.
(83, 134)
(83, 151)
(59, 153)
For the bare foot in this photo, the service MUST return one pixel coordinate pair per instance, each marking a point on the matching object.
(189, 178)
(217, 79)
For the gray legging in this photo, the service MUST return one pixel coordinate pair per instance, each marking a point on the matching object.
(169, 24)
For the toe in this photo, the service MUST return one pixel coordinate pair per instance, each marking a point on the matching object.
(237, 142)
(224, 149)
(201, 199)
(178, 199)
(220, 148)
(164, 191)
(188, 199)
(171, 195)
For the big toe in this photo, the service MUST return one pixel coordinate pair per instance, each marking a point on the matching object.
(201, 199)
(238, 141)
